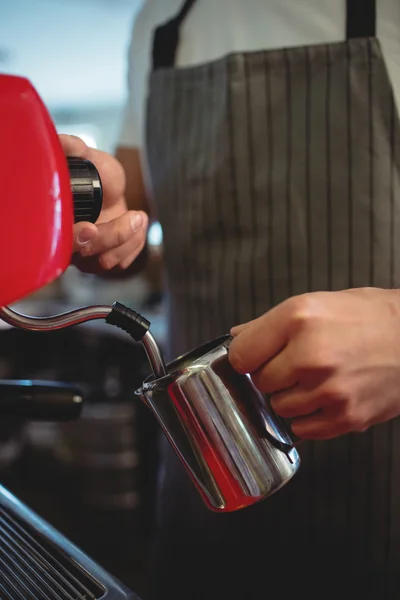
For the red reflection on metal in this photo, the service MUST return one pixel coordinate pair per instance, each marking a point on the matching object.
(225, 480)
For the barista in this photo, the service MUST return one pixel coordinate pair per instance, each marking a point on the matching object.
(275, 172)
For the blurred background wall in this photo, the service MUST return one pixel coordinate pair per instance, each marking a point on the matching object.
(74, 52)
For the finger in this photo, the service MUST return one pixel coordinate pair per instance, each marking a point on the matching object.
(295, 403)
(318, 427)
(124, 255)
(110, 235)
(84, 232)
(276, 375)
(260, 340)
(95, 264)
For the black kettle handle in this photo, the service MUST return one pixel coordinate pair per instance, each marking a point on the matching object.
(86, 187)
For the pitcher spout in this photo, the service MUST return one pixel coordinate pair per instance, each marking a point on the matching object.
(179, 433)
(222, 429)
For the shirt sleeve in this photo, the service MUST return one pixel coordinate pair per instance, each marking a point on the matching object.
(132, 126)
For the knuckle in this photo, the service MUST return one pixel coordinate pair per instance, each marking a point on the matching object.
(126, 262)
(334, 393)
(107, 261)
(123, 233)
(301, 309)
(351, 419)
(304, 311)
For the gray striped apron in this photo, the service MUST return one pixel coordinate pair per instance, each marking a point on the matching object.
(275, 173)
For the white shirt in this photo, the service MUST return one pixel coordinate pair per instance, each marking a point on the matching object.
(215, 28)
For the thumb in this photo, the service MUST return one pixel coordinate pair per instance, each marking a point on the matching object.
(84, 232)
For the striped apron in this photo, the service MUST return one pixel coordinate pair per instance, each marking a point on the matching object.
(276, 173)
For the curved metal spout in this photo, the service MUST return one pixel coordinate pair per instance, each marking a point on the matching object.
(154, 355)
(91, 313)
(67, 319)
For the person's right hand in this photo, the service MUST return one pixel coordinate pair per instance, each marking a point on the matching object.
(330, 360)
(119, 235)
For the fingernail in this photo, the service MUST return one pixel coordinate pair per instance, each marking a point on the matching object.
(136, 221)
(85, 236)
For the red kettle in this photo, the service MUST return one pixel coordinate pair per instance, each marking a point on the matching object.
(40, 193)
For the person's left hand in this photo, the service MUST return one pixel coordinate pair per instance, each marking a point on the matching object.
(330, 360)
(119, 235)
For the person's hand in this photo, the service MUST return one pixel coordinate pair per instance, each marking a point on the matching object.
(331, 360)
(119, 235)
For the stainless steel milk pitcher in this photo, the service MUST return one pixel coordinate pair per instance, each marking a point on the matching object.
(233, 445)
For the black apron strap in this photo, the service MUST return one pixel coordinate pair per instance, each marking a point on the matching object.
(361, 18)
(360, 22)
(166, 38)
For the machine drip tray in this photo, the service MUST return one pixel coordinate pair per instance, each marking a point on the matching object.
(39, 563)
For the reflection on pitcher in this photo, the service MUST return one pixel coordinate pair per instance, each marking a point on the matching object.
(230, 441)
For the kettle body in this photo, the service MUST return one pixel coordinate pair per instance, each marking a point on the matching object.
(42, 193)
(36, 206)
(234, 447)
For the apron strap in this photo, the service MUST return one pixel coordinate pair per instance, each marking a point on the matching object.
(166, 38)
(360, 18)
(360, 22)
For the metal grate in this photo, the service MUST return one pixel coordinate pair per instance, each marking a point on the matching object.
(32, 568)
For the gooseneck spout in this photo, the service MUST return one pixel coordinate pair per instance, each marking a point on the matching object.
(119, 315)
